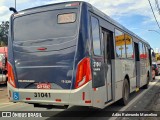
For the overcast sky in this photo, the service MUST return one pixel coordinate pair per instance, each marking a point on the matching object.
(136, 15)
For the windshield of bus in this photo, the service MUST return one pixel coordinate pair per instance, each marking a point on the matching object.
(46, 25)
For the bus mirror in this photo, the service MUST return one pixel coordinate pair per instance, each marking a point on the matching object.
(13, 9)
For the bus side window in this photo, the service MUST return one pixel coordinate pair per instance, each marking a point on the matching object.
(142, 51)
(96, 36)
(129, 47)
(147, 55)
(120, 44)
(145, 52)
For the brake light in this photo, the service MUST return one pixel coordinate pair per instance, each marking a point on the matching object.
(58, 100)
(83, 74)
(11, 78)
(28, 98)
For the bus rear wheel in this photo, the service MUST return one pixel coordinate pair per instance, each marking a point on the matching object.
(125, 93)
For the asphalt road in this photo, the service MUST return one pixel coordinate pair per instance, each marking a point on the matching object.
(5, 105)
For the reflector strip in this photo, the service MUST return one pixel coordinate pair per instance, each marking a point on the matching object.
(28, 98)
(58, 100)
(88, 101)
(83, 96)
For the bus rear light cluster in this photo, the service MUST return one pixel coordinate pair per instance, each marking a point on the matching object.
(11, 78)
(83, 74)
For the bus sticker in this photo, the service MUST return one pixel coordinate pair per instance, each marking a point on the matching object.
(15, 96)
(44, 86)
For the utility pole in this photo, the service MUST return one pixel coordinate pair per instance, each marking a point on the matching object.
(15, 4)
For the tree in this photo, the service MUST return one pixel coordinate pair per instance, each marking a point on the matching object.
(4, 26)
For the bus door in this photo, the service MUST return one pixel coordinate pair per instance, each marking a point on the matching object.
(106, 38)
(137, 64)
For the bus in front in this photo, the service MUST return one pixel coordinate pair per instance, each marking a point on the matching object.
(73, 54)
(48, 62)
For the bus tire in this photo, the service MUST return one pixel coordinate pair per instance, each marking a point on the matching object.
(147, 84)
(125, 93)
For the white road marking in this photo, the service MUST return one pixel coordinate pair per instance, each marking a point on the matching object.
(136, 98)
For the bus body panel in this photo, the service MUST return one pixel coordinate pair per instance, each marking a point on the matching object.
(40, 56)
(144, 65)
(50, 65)
(119, 77)
(130, 69)
(35, 68)
(44, 66)
(145, 74)
(57, 97)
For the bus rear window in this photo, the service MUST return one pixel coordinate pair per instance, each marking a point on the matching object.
(46, 25)
(67, 18)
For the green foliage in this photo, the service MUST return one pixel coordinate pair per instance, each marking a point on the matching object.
(4, 27)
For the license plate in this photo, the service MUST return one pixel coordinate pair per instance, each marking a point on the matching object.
(44, 86)
(42, 95)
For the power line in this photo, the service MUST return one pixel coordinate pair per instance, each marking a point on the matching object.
(153, 13)
(157, 5)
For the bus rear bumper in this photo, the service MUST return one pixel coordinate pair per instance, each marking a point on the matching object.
(79, 97)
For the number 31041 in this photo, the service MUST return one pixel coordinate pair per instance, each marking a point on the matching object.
(42, 95)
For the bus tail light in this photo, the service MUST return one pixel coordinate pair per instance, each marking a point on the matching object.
(28, 98)
(11, 78)
(58, 100)
(83, 74)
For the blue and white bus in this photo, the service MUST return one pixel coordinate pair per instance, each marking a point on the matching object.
(71, 53)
